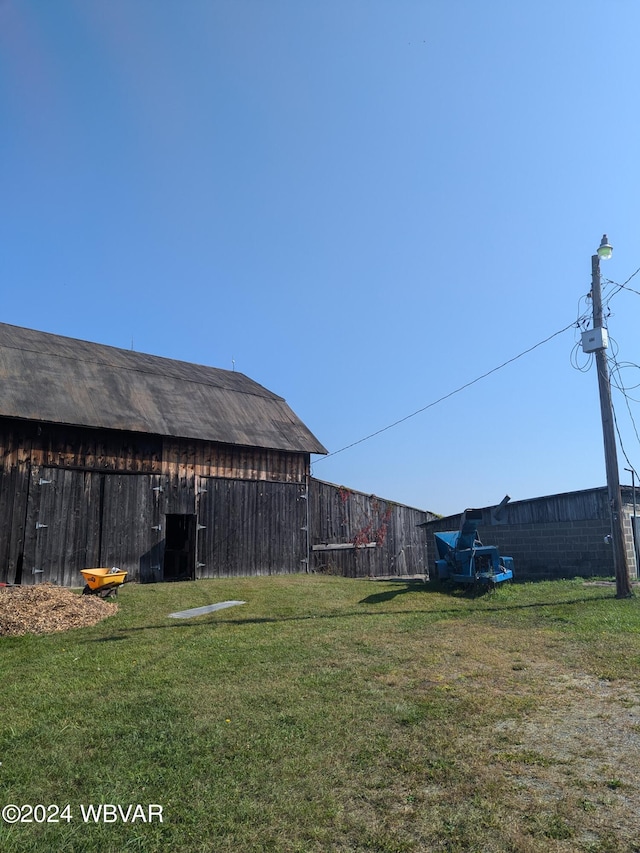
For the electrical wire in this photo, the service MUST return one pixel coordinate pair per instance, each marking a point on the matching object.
(617, 383)
(625, 283)
(630, 289)
(622, 286)
(573, 358)
(624, 452)
(625, 365)
(580, 324)
(447, 396)
(613, 350)
(582, 319)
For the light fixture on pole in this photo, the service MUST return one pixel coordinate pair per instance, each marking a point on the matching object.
(598, 346)
(605, 250)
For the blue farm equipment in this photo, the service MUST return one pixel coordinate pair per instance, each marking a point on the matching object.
(464, 559)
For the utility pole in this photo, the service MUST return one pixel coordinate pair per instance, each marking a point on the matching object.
(623, 585)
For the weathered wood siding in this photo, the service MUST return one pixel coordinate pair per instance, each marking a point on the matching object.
(14, 493)
(62, 517)
(358, 535)
(87, 449)
(250, 528)
(73, 498)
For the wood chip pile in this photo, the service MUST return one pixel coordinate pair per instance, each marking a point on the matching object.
(44, 609)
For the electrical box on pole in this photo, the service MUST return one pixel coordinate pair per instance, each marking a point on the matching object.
(595, 339)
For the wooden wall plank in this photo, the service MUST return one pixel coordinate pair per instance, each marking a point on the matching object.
(129, 539)
(15, 483)
(251, 528)
(100, 507)
(352, 520)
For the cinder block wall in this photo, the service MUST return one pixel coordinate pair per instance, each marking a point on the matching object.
(558, 544)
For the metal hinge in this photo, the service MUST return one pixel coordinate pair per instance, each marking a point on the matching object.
(40, 526)
(156, 527)
(42, 482)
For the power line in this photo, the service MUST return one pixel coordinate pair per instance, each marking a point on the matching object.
(625, 365)
(577, 324)
(574, 359)
(624, 391)
(624, 452)
(446, 396)
(624, 285)
(630, 289)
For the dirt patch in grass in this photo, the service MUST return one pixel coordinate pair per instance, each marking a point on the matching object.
(45, 609)
(513, 735)
(578, 752)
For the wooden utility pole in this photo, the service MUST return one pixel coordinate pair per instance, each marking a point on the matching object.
(623, 585)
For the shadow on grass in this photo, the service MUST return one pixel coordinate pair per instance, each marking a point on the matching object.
(109, 639)
(388, 595)
(378, 598)
(464, 591)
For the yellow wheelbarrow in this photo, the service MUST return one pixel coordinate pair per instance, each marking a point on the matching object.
(102, 582)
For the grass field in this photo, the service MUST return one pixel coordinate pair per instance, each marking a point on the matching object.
(329, 714)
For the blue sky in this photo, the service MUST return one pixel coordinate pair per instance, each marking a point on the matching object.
(362, 205)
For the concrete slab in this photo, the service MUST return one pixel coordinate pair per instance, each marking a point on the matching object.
(200, 611)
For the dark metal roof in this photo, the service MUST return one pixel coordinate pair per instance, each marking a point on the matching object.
(50, 378)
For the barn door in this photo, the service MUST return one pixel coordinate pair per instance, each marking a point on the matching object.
(14, 494)
(62, 521)
(132, 533)
(249, 527)
(89, 519)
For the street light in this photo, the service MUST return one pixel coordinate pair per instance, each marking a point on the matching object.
(623, 586)
(605, 250)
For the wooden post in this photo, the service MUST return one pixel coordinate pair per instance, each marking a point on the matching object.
(623, 585)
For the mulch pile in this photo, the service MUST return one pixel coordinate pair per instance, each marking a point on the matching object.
(45, 609)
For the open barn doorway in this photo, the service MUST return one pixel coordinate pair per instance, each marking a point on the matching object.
(180, 548)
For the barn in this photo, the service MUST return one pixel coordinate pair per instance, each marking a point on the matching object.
(166, 469)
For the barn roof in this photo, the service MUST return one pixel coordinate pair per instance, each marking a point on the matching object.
(60, 380)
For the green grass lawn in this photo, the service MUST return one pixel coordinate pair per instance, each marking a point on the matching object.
(330, 714)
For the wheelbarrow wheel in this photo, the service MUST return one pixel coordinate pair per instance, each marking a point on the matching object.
(107, 591)
(87, 590)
